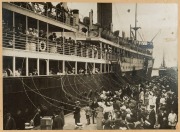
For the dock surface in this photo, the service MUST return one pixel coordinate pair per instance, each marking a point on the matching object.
(70, 122)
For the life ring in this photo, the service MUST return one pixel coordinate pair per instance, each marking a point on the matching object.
(42, 46)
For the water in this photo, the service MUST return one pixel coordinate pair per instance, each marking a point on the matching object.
(155, 73)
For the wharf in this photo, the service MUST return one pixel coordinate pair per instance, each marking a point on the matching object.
(70, 122)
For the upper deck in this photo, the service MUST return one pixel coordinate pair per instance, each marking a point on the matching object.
(44, 41)
(66, 23)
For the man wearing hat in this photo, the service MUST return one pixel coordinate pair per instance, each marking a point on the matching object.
(77, 110)
(58, 122)
(93, 106)
(152, 117)
(163, 119)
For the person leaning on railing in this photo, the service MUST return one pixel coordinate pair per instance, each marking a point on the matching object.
(53, 37)
(47, 6)
(42, 34)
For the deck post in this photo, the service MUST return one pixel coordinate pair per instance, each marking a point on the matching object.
(86, 65)
(75, 44)
(63, 67)
(94, 66)
(108, 67)
(105, 68)
(38, 36)
(14, 66)
(26, 30)
(47, 37)
(27, 66)
(13, 31)
(100, 67)
(63, 40)
(47, 66)
(76, 67)
(38, 66)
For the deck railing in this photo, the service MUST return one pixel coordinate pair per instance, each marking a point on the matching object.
(30, 43)
(41, 8)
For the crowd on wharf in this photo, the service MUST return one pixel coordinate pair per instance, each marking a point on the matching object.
(149, 105)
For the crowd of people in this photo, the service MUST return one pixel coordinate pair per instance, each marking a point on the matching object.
(153, 105)
(149, 105)
(58, 12)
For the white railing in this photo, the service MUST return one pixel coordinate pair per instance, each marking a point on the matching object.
(58, 14)
(31, 43)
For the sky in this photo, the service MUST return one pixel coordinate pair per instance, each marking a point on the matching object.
(160, 19)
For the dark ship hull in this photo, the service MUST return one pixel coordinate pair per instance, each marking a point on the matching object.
(21, 93)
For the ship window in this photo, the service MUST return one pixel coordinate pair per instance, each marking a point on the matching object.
(20, 27)
(42, 31)
(97, 68)
(7, 26)
(7, 66)
(32, 66)
(20, 68)
(55, 67)
(103, 70)
(107, 69)
(32, 23)
(7, 17)
(90, 67)
(81, 67)
(70, 67)
(42, 67)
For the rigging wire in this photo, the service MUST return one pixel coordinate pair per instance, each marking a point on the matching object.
(27, 93)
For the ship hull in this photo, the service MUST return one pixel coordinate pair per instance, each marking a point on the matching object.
(28, 93)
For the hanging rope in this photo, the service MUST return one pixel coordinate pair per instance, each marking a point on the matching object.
(46, 96)
(26, 91)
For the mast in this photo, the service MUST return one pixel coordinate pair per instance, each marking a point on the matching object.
(136, 22)
(163, 64)
(135, 28)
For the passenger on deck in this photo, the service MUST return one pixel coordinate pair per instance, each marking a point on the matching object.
(81, 71)
(53, 37)
(59, 9)
(18, 72)
(96, 70)
(36, 7)
(73, 70)
(35, 32)
(51, 72)
(9, 72)
(35, 72)
(59, 72)
(42, 34)
(19, 30)
(48, 6)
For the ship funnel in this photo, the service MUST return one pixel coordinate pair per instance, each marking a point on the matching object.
(76, 15)
(104, 15)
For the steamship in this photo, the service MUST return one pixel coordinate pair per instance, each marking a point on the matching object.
(42, 72)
